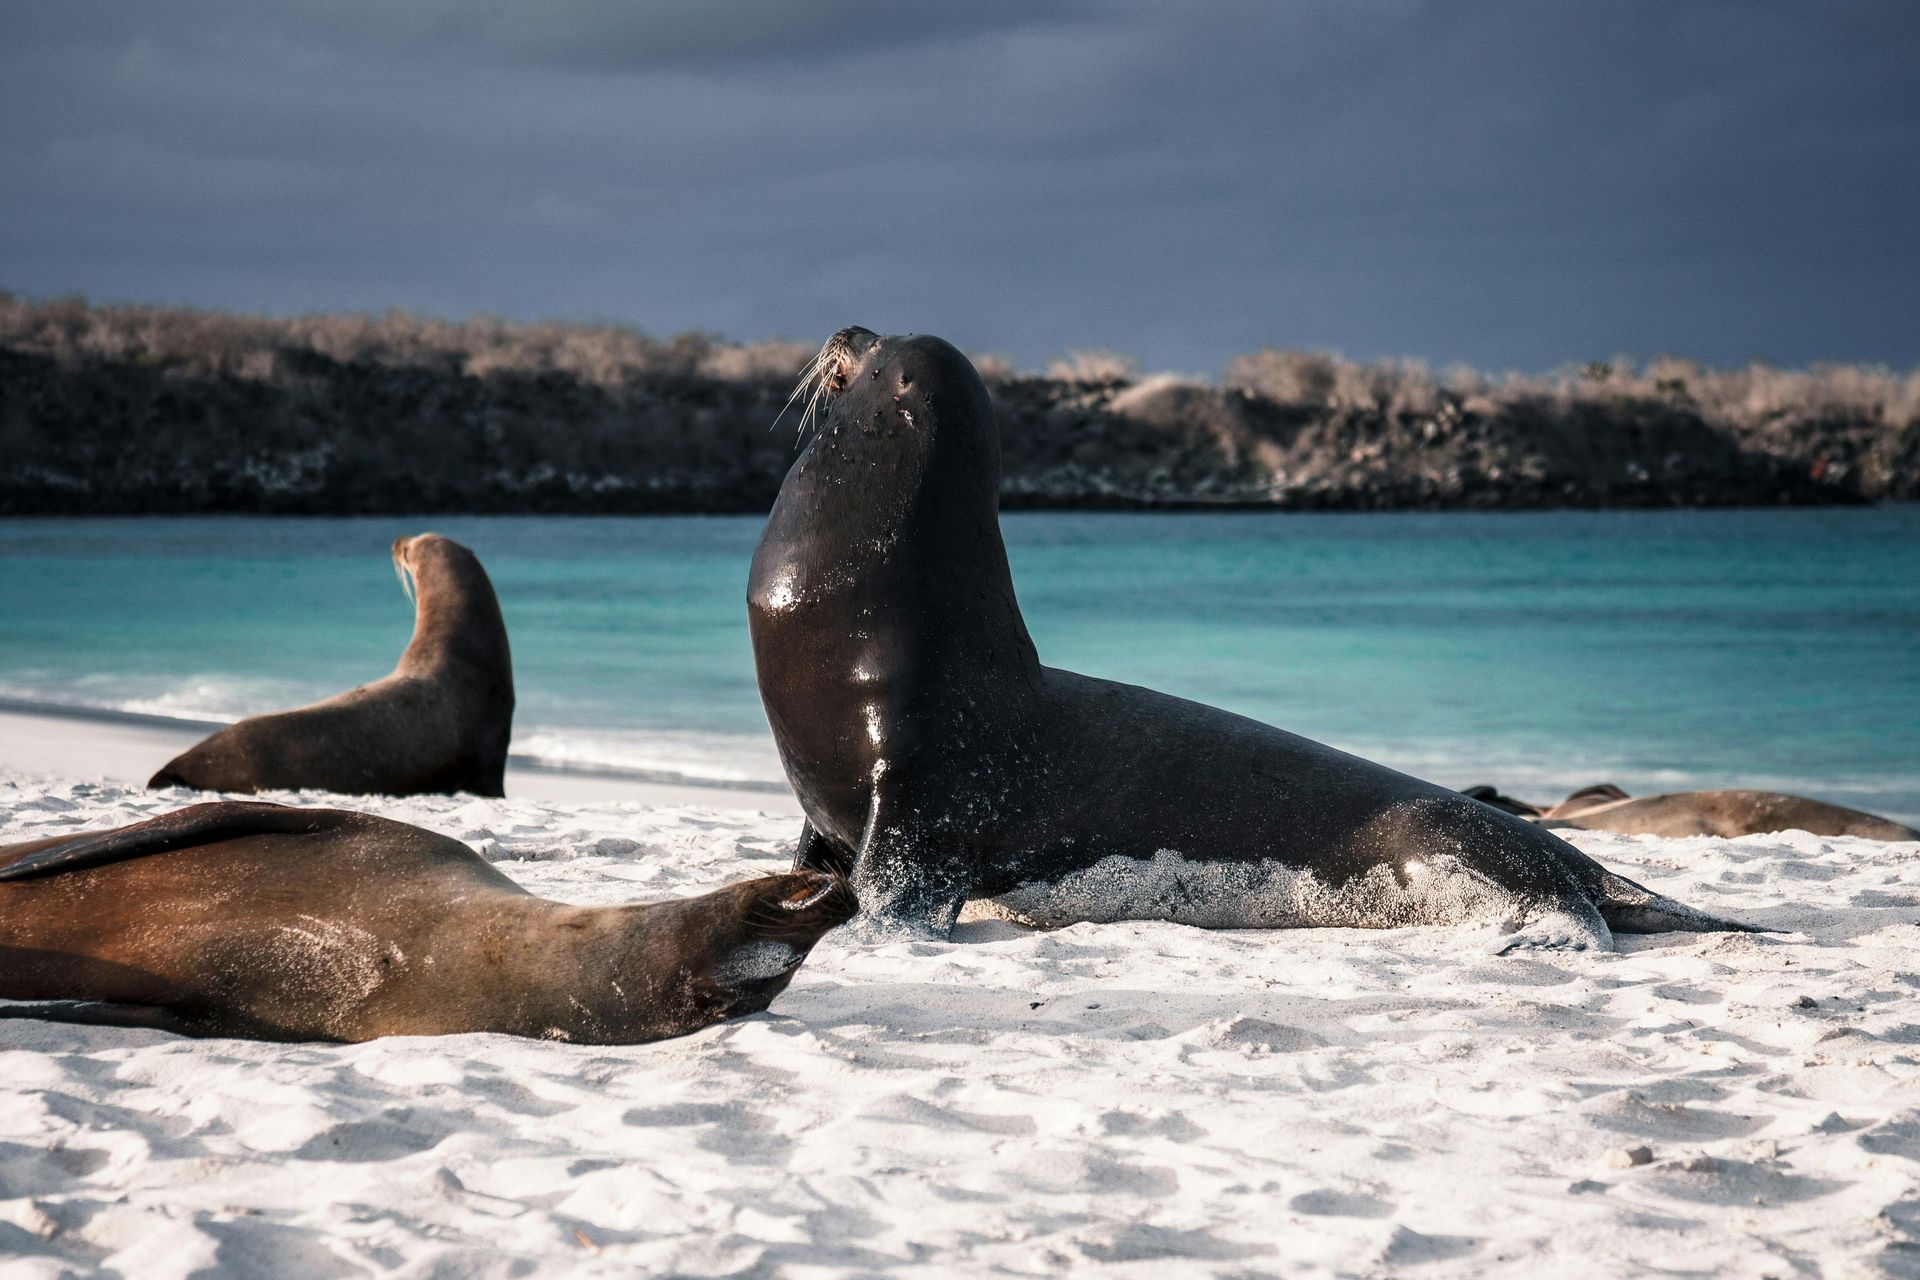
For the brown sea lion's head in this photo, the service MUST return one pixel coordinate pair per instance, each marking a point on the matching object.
(729, 953)
(457, 622)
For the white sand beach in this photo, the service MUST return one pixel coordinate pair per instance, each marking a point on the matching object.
(1135, 1099)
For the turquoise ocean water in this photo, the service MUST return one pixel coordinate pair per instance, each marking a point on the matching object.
(1658, 650)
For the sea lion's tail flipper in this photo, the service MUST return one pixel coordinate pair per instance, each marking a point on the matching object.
(182, 829)
(1634, 908)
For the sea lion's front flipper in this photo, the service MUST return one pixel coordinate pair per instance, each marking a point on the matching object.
(98, 1013)
(909, 880)
(182, 829)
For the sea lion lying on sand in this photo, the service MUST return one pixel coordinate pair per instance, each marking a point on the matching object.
(440, 723)
(242, 918)
(938, 761)
(1606, 807)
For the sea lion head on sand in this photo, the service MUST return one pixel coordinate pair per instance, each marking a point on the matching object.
(752, 937)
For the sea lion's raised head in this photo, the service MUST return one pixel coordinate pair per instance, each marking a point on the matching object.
(913, 398)
(434, 556)
(456, 614)
(901, 464)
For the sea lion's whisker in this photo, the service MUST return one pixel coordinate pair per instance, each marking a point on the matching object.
(806, 377)
(405, 575)
(815, 381)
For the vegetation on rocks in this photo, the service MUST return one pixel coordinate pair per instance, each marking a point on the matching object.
(150, 409)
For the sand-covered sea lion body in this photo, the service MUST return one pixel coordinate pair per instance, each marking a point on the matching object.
(939, 762)
(440, 723)
(1726, 813)
(250, 919)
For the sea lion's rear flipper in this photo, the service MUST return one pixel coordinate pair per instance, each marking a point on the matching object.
(182, 829)
(1634, 908)
(1630, 907)
(98, 1013)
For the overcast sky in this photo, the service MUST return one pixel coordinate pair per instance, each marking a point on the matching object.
(1514, 185)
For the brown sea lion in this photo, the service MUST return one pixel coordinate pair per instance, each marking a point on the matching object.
(939, 762)
(1716, 813)
(1605, 807)
(440, 723)
(242, 918)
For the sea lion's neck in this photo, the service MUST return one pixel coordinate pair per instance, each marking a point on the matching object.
(896, 546)
(457, 628)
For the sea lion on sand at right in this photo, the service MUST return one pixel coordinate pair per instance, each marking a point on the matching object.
(1606, 807)
(439, 723)
(938, 762)
(241, 918)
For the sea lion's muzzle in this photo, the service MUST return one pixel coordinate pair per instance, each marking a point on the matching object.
(799, 906)
(845, 351)
(804, 896)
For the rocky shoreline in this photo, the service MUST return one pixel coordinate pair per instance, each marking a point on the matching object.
(151, 411)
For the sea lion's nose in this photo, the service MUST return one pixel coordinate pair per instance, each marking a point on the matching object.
(854, 340)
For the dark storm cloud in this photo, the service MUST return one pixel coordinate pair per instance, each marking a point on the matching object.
(603, 35)
(1513, 184)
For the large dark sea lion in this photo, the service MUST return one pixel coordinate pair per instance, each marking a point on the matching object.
(242, 918)
(938, 762)
(1699, 813)
(440, 723)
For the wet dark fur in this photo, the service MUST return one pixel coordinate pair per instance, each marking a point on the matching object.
(937, 760)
